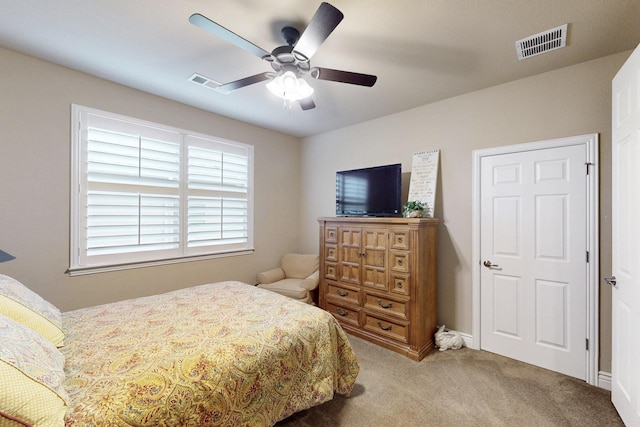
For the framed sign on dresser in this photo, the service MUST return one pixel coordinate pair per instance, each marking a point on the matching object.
(378, 277)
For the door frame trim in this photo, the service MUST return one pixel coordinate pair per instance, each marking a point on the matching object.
(590, 143)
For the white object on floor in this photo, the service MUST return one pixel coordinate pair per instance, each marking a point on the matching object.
(446, 340)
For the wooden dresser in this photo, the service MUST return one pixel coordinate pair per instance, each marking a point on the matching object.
(378, 278)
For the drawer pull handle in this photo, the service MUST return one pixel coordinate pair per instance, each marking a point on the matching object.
(384, 306)
(399, 284)
(342, 293)
(400, 262)
(384, 328)
(342, 312)
(400, 239)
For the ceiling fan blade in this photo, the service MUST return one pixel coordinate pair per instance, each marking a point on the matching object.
(218, 30)
(325, 20)
(344, 76)
(307, 103)
(231, 86)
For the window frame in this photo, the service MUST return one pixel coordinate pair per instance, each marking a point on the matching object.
(80, 263)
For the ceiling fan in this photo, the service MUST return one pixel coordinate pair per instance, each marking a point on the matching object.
(292, 61)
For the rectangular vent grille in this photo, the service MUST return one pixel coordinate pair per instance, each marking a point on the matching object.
(201, 80)
(546, 41)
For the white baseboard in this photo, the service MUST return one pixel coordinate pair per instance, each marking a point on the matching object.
(468, 340)
(604, 380)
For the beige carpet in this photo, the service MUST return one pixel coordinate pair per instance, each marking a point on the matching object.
(458, 388)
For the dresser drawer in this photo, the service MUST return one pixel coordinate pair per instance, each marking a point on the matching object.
(387, 306)
(331, 234)
(331, 252)
(399, 261)
(395, 330)
(344, 315)
(399, 239)
(342, 295)
(330, 270)
(400, 284)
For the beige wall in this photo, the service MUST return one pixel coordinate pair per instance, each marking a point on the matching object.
(566, 102)
(35, 100)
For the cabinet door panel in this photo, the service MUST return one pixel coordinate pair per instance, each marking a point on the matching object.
(350, 258)
(375, 259)
(350, 273)
(349, 255)
(375, 248)
(350, 237)
(375, 278)
(375, 239)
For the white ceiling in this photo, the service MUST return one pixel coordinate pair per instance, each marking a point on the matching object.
(421, 50)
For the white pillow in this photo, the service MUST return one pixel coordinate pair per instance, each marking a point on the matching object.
(32, 372)
(25, 306)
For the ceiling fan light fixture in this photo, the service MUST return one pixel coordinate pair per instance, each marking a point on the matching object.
(289, 86)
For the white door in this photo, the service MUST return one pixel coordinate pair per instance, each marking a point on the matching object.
(625, 360)
(533, 250)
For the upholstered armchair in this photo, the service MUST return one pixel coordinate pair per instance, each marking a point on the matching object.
(297, 277)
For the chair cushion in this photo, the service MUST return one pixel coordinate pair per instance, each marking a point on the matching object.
(299, 266)
(288, 287)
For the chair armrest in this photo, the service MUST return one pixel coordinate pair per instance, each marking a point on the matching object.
(270, 276)
(311, 282)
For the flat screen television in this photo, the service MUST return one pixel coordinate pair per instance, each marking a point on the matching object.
(374, 191)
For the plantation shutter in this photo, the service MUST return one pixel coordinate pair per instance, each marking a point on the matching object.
(133, 197)
(218, 181)
(147, 192)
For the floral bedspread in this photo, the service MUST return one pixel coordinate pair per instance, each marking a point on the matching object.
(225, 354)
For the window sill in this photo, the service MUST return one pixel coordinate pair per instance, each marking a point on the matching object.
(80, 271)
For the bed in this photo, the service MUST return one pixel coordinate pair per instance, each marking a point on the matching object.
(225, 353)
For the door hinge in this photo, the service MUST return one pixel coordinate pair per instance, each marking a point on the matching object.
(587, 256)
(587, 344)
(587, 165)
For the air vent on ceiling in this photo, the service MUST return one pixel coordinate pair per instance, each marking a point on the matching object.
(203, 81)
(546, 41)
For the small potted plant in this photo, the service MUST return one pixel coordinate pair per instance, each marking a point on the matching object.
(414, 209)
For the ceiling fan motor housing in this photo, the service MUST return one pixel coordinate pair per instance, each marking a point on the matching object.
(285, 57)
(290, 35)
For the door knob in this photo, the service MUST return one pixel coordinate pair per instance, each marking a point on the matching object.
(611, 281)
(488, 264)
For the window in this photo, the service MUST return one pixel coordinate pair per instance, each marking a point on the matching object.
(144, 193)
